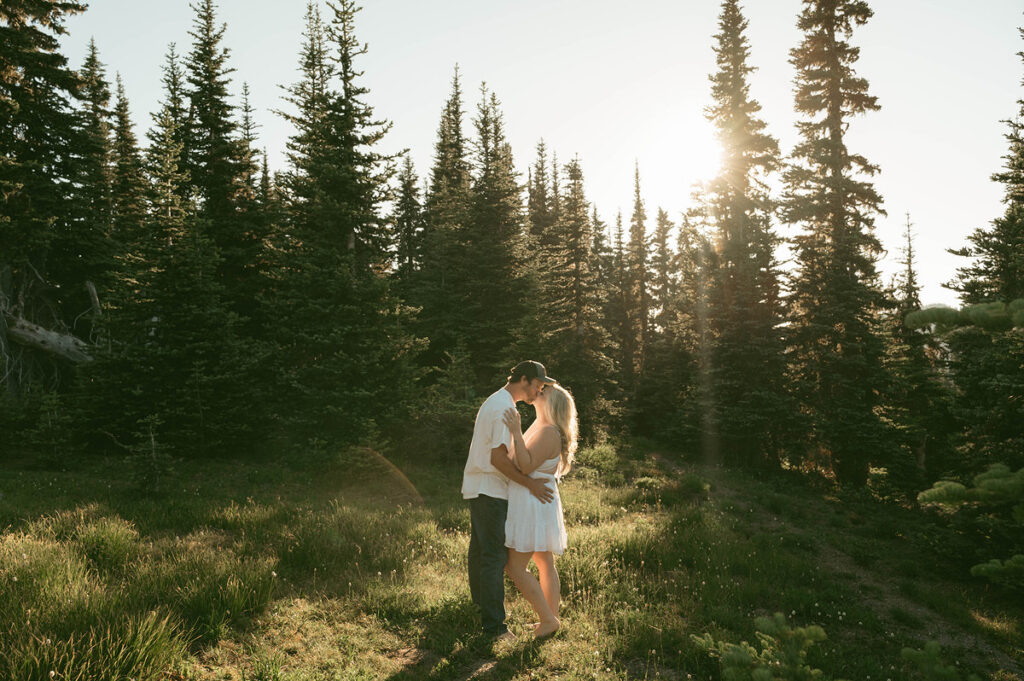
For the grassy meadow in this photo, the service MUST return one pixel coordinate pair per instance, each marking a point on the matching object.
(263, 570)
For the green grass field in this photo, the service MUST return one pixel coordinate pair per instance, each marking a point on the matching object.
(261, 571)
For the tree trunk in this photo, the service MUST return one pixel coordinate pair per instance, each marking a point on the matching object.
(32, 335)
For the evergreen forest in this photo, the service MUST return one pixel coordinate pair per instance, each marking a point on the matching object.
(174, 309)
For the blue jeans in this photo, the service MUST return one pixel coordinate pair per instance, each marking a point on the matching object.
(487, 558)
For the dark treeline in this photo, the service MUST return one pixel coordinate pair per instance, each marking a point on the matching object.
(180, 299)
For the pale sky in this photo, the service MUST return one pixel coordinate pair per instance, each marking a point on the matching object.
(616, 82)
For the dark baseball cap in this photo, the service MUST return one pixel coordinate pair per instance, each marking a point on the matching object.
(531, 370)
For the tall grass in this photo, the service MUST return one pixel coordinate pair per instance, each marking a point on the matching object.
(278, 573)
(84, 597)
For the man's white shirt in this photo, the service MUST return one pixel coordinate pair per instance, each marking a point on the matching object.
(489, 431)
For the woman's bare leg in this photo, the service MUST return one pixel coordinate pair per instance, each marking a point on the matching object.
(549, 583)
(518, 569)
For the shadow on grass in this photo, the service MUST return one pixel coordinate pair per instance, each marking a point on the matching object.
(452, 648)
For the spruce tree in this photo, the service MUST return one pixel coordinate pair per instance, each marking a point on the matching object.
(836, 350)
(695, 270)
(175, 355)
(556, 191)
(997, 271)
(270, 200)
(986, 359)
(173, 106)
(440, 286)
(249, 152)
(601, 249)
(83, 253)
(218, 161)
(563, 272)
(255, 224)
(698, 265)
(744, 309)
(605, 276)
(540, 202)
(662, 272)
(617, 319)
(581, 348)
(212, 143)
(408, 223)
(342, 348)
(634, 346)
(656, 392)
(664, 400)
(37, 128)
(545, 252)
(128, 196)
(918, 403)
(497, 285)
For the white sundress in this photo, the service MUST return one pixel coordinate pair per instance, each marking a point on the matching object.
(530, 525)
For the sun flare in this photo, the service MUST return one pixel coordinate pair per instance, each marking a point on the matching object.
(702, 157)
(677, 161)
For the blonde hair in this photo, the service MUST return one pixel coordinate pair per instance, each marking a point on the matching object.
(560, 409)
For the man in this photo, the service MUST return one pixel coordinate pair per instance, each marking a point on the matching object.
(489, 468)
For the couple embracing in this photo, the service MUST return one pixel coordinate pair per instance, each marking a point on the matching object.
(511, 482)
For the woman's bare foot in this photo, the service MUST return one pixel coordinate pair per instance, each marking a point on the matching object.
(545, 629)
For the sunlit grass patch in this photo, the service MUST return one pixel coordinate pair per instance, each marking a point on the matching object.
(267, 580)
(59, 619)
(343, 545)
(82, 592)
(140, 647)
(589, 502)
(207, 586)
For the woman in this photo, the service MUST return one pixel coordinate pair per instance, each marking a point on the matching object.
(534, 530)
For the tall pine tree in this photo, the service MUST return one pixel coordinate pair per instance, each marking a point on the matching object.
(37, 128)
(128, 194)
(581, 349)
(408, 224)
(342, 349)
(440, 284)
(634, 345)
(662, 272)
(540, 202)
(616, 310)
(997, 270)
(174, 107)
(836, 351)
(84, 251)
(218, 161)
(175, 355)
(744, 310)
(497, 286)
(918, 405)
(987, 361)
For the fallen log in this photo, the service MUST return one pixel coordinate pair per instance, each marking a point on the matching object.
(34, 336)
